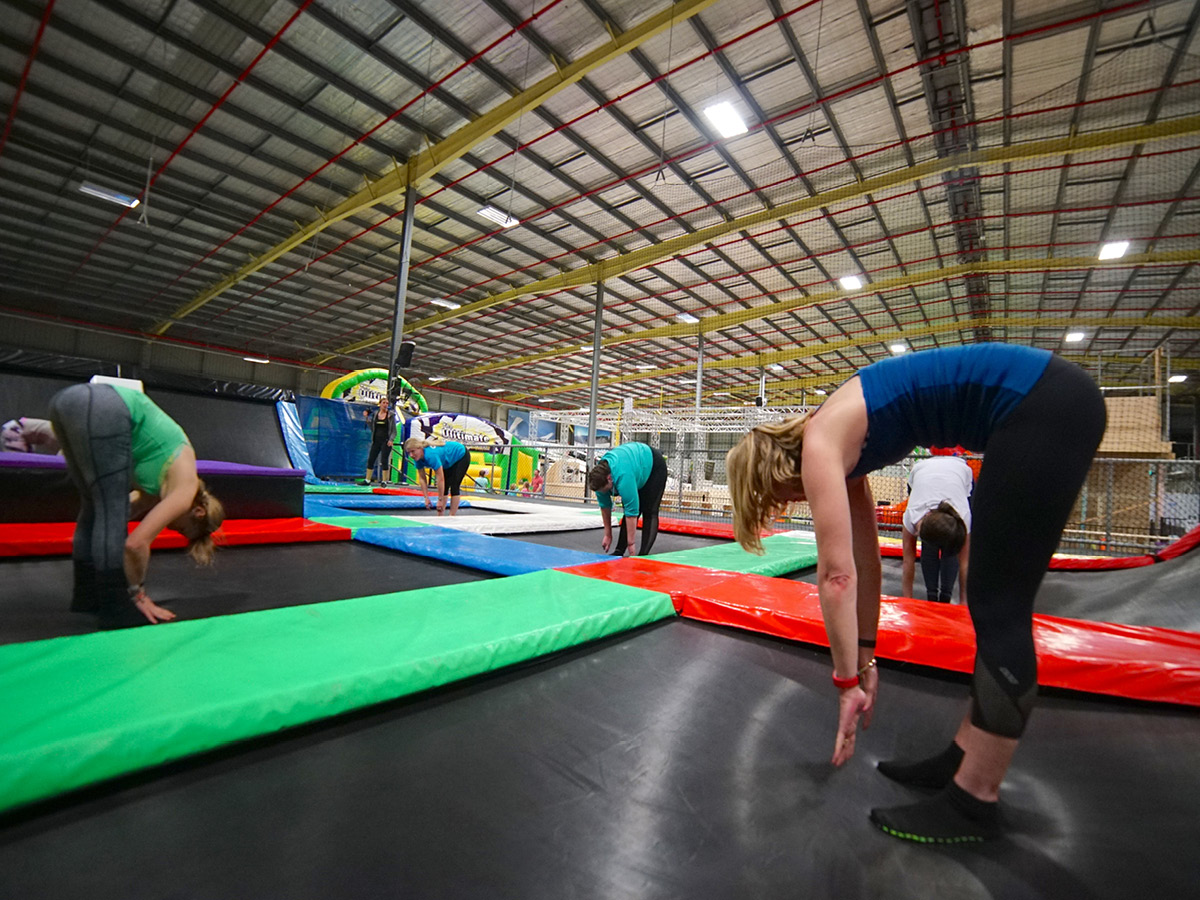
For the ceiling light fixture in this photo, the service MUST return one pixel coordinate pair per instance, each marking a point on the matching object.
(1114, 250)
(645, 366)
(103, 193)
(898, 348)
(1177, 379)
(256, 359)
(819, 392)
(506, 221)
(435, 379)
(686, 318)
(722, 394)
(442, 301)
(850, 282)
(725, 119)
(775, 367)
(1073, 337)
(496, 390)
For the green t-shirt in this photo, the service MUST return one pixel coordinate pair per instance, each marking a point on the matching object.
(157, 440)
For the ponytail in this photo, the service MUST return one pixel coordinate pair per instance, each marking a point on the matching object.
(202, 547)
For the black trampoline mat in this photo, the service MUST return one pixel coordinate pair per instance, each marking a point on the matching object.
(680, 761)
(242, 579)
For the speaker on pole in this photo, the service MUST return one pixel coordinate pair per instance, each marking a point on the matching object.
(405, 354)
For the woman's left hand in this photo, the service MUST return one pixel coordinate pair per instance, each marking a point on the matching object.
(151, 610)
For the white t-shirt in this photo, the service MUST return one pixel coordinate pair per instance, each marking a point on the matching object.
(933, 480)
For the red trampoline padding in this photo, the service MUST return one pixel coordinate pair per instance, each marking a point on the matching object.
(54, 538)
(402, 491)
(673, 579)
(1134, 662)
(1188, 542)
(1093, 563)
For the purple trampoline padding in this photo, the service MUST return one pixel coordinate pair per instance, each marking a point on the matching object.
(205, 467)
(31, 461)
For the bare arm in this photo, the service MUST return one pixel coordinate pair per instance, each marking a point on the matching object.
(865, 528)
(442, 489)
(630, 535)
(180, 485)
(910, 564)
(423, 481)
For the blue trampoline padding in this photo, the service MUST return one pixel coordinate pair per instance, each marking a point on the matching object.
(378, 501)
(476, 551)
(79, 710)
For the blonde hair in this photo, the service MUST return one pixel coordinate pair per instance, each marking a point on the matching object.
(201, 548)
(418, 443)
(765, 460)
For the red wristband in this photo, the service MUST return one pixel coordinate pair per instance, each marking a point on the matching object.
(843, 683)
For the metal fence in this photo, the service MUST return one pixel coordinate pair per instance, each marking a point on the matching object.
(1128, 505)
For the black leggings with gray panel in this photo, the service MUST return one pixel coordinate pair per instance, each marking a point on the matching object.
(1033, 467)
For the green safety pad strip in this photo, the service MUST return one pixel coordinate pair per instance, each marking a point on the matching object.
(79, 710)
(784, 554)
(338, 489)
(356, 522)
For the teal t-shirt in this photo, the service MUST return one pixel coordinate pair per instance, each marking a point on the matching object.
(443, 456)
(157, 439)
(630, 465)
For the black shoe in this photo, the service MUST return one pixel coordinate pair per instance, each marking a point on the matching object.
(84, 596)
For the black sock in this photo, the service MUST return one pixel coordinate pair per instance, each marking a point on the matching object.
(934, 772)
(950, 817)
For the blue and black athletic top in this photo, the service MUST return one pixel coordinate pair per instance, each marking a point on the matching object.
(943, 398)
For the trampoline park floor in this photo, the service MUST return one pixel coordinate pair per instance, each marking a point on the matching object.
(677, 761)
(241, 579)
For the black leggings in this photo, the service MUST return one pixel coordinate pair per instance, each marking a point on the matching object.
(455, 474)
(379, 447)
(940, 570)
(1034, 464)
(649, 500)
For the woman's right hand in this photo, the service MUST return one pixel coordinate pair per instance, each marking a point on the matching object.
(852, 703)
(607, 542)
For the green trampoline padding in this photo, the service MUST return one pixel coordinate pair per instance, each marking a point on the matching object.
(79, 710)
(783, 554)
(356, 522)
(338, 489)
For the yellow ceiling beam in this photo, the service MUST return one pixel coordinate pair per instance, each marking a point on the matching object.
(710, 324)
(813, 349)
(652, 254)
(431, 160)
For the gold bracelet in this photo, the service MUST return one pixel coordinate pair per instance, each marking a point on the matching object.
(870, 665)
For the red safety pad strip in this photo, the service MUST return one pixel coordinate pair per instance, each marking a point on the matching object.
(54, 538)
(404, 492)
(1140, 663)
(1188, 542)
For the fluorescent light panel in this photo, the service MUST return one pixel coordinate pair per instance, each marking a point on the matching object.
(103, 193)
(442, 301)
(818, 392)
(775, 367)
(496, 390)
(850, 282)
(898, 348)
(1073, 337)
(490, 212)
(725, 119)
(256, 359)
(1177, 379)
(686, 318)
(1114, 250)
